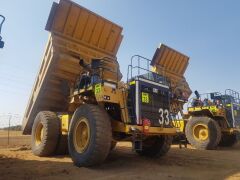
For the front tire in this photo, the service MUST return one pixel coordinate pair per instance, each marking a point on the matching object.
(203, 133)
(90, 136)
(156, 146)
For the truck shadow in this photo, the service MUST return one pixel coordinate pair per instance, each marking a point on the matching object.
(122, 163)
(235, 147)
(178, 163)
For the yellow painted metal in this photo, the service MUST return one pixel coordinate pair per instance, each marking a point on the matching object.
(98, 88)
(75, 33)
(77, 23)
(65, 120)
(200, 108)
(39, 134)
(213, 110)
(172, 64)
(132, 83)
(200, 132)
(81, 135)
(103, 91)
(190, 109)
(90, 88)
(171, 60)
(179, 124)
(145, 97)
(161, 131)
(121, 127)
(117, 96)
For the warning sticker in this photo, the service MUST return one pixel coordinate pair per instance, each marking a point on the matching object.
(98, 88)
(145, 97)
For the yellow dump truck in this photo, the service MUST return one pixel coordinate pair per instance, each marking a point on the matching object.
(79, 103)
(214, 119)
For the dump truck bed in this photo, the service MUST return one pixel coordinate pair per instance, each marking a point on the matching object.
(172, 64)
(75, 33)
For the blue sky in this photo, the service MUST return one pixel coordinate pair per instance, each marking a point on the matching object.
(208, 32)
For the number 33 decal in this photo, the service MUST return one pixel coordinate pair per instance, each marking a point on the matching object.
(164, 116)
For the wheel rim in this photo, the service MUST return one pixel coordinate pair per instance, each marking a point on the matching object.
(200, 132)
(39, 134)
(81, 135)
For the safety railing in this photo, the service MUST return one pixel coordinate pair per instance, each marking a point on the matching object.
(211, 99)
(234, 94)
(140, 67)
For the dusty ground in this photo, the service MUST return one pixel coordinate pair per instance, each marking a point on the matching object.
(13, 139)
(19, 163)
(4, 133)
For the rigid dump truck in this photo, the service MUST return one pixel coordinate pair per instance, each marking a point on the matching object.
(79, 103)
(214, 119)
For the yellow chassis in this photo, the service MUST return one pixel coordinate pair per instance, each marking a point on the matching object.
(118, 96)
(128, 129)
(121, 127)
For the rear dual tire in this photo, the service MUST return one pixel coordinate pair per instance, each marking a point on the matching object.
(156, 146)
(47, 139)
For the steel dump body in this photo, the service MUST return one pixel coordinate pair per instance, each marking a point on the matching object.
(75, 33)
(172, 64)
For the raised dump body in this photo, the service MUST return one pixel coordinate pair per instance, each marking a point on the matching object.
(172, 64)
(75, 33)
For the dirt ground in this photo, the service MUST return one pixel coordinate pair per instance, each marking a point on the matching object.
(13, 139)
(122, 163)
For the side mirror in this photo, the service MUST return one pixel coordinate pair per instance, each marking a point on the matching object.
(1, 44)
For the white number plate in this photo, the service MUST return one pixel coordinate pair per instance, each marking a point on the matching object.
(164, 116)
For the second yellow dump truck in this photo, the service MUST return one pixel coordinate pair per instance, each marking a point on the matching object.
(213, 120)
(79, 103)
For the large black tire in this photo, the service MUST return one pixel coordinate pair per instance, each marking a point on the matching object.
(156, 146)
(213, 130)
(113, 145)
(228, 140)
(45, 143)
(62, 146)
(99, 136)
